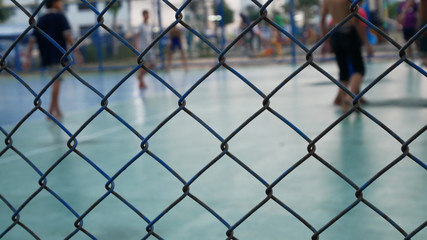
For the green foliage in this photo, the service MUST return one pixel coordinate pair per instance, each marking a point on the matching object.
(392, 10)
(115, 8)
(5, 13)
(306, 3)
(252, 12)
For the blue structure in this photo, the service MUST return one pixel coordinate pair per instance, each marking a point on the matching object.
(8, 34)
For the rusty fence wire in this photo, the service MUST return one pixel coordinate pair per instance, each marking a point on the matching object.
(72, 144)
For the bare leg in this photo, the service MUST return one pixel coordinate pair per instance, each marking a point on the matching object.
(169, 60)
(409, 51)
(141, 74)
(355, 83)
(340, 96)
(54, 109)
(184, 60)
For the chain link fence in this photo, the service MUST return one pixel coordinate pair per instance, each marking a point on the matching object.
(17, 220)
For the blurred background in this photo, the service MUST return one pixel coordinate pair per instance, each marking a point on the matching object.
(220, 21)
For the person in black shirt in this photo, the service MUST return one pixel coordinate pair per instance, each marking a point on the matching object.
(55, 24)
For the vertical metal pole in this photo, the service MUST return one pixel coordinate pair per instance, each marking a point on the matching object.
(129, 16)
(222, 22)
(98, 41)
(293, 27)
(159, 19)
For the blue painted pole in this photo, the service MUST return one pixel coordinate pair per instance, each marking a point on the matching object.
(98, 41)
(293, 29)
(222, 23)
(161, 47)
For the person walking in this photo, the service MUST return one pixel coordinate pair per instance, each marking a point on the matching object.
(407, 17)
(143, 39)
(347, 44)
(55, 24)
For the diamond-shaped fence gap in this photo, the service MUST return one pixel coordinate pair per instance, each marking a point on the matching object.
(112, 219)
(270, 146)
(189, 220)
(372, 225)
(403, 182)
(271, 221)
(150, 197)
(234, 192)
(342, 147)
(104, 130)
(54, 221)
(231, 104)
(301, 101)
(313, 180)
(77, 182)
(184, 145)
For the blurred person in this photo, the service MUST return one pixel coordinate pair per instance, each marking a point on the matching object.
(175, 43)
(422, 14)
(407, 17)
(142, 39)
(55, 24)
(347, 44)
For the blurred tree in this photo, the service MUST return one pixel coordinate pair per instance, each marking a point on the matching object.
(5, 13)
(392, 10)
(303, 5)
(252, 12)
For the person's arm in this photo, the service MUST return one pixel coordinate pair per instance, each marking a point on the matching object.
(70, 41)
(135, 40)
(361, 30)
(28, 55)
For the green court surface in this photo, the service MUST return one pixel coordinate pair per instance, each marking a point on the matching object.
(357, 147)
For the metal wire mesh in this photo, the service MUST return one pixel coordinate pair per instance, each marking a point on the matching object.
(229, 227)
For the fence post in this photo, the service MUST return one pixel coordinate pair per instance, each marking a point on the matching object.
(161, 49)
(293, 29)
(98, 44)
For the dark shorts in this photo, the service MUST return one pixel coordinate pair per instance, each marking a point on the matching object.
(347, 46)
(408, 33)
(176, 43)
(423, 42)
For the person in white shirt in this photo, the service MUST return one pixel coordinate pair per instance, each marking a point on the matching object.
(143, 39)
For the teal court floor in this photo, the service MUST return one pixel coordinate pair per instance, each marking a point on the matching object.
(357, 147)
